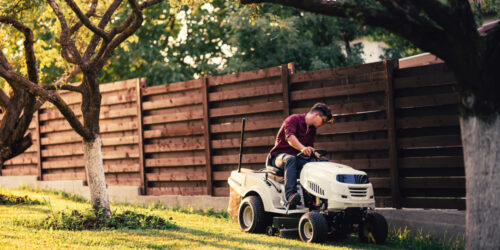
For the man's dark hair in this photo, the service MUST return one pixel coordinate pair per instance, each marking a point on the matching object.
(323, 110)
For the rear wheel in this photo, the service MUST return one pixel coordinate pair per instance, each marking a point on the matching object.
(313, 227)
(251, 215)
(374, 229)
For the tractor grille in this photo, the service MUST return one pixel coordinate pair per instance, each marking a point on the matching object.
(357, 191)
(315, 187)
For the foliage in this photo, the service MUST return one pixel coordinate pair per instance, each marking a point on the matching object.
(404, 238)
(224, 37)
(96, 219)
(397, 47)
(9, 199)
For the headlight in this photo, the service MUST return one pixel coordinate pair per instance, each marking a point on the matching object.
(353, 178)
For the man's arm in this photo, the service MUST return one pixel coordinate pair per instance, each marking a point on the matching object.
(295, 143)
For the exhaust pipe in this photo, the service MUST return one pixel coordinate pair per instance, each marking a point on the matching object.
(241, 142)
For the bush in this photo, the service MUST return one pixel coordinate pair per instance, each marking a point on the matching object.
(9, 199)
(91, 219)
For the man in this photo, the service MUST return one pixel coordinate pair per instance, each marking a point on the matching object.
(297, 135)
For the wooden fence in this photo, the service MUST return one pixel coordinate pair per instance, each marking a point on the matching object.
(399, 125)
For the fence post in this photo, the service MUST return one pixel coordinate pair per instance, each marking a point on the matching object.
(206, 131)
(390, 66)
(39, 146)
(140, 132)
(286, 70)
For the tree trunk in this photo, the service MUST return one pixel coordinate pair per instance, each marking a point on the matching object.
(95, 174)
(481, 144)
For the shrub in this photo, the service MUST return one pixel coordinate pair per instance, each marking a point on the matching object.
(9, 199)
(91, 219)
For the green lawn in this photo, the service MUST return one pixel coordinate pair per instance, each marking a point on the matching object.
(196, 229)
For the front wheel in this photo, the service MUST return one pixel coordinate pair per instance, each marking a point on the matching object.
(374, 229)
(313, 227)
(251, 215)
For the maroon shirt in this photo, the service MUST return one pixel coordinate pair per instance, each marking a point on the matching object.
(293, 125)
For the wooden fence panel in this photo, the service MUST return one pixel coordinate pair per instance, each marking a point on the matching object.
(174, 144)
(431, 164)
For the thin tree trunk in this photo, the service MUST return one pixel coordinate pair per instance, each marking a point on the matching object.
(95, 174)
(481, 143)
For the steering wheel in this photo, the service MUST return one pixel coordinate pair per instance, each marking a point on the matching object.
(321, 153)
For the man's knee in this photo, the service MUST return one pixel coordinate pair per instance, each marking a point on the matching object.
(289, 161)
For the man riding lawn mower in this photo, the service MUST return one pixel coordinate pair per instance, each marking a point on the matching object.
(330, 200)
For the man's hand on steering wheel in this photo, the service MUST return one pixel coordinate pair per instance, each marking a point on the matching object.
(307, 151)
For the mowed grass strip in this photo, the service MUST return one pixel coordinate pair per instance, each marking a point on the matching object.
(194, 230)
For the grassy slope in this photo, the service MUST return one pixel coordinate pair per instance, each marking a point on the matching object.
(195, 231)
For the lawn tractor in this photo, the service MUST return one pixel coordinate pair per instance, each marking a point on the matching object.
(336, 201)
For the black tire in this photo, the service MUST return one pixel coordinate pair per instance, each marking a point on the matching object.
(251, 215)
(270, 231)
(376, 225)
(313, 227)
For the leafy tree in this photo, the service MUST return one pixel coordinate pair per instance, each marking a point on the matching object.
(86, 39)
(223, 37)
(448, 29)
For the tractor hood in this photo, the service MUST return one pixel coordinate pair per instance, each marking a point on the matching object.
(329, 169)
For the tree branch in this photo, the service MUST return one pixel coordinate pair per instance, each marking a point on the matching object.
(61, 83)
(55, 99)
(4, 99)
(102, 24)
(69, 50)
(28, 46)
(89, 13)
(86, 21)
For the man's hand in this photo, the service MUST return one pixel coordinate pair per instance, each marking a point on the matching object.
(307, 151)
(318, 156)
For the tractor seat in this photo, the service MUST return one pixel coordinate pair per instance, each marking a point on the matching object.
(277, 171)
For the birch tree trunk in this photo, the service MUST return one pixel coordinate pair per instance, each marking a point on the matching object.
(481, 144)
(95, 174)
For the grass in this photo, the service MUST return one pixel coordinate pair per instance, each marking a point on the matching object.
(194, 229)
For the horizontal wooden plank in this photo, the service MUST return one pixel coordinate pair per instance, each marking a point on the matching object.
(434, 203)
(432, 162)
(418, 60)
(180, 175)
(383, 201)
(22, 160)
(172, 102)
(221, 175)
(78, 163)
(176, 117)
(353, 145)
(221, 191)
(267, 141)
(68, 151)
(349, 107)
(364, 164)
(246, 109)
(432, 182)
(177, 190)
(18, 171)
(176, 131)
(118, 127)
(245, 93)
(233, 159)
(56, 139)
(427, 121)
(353, 127)
(106, 113)
(337, 72)
(175, 162)
(129, 168)
(430, 141)
(119, 85)
(172, 87)
(64, 176)
(176, 144)
(425, 101)
(244, 76)
(122, 140)
(250, 125)
(380, 182)
(424, 80)
(113, 155)
(341, 90)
